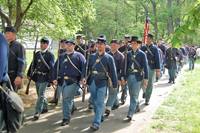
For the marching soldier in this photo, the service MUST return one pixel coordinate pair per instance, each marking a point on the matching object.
(121, 43)
(92, 50)
(63, 44)
(69, 80)
(153, 59)
(4, 52)
(42, 66)
(162, 47)
(122, 49)
(113, 101)
(136, 70)
(102, 72)
(17, 58)
(192, 56)
(171, 58)
(161, 56)
(80, 47)
(107, 46)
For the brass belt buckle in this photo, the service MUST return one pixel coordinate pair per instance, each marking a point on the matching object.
(171, 58)
(39, 72)
(135, 70)
(95, 72)
(66, 77)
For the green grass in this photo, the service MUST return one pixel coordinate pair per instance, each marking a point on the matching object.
(180, 112)
(29, 57)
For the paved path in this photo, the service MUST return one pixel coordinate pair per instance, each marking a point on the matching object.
(116, 122)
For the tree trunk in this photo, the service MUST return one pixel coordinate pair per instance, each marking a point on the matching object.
(171, 28)
(155, 17)
(178, 20)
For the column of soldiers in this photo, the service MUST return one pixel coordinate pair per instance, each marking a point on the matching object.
(126, 64)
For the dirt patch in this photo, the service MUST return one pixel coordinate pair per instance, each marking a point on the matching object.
(31, 99)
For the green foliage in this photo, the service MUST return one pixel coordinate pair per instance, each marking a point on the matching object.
(51, 17)
(180, 111)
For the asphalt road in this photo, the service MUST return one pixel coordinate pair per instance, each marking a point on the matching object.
(116, 122)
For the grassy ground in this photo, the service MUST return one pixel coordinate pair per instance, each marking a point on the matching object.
(29, 57)
(180, 112)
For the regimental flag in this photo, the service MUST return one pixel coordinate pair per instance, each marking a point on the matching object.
(146, 29)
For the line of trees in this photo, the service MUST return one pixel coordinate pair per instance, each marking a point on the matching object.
(114, 18)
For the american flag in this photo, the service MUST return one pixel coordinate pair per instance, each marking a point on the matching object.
(146, 30)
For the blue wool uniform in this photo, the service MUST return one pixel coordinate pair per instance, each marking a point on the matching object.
(98, 82)
(109, 64)
(42, 72)
(81, 48)
(113, 98)
(68, 78)
(154, 65)
(16, 62)
(41, 76)
(171, 63)
(4, 52)
(192, 56)
(134, 75)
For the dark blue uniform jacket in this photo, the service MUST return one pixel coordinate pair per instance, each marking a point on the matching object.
(39, 66)
(141, 58)
(102, 80)
(4, 52)
(67, 69)
(170, 57)
(153, 61)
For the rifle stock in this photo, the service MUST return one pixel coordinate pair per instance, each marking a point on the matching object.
(32, 67)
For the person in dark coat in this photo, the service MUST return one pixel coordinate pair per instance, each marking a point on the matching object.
(136, 71)
(192, 56)
(63, 49)
(163, 48)
(171, 58)
(107, 46)
(42, 65)
(113, 100)
(4, 53)
(153, 58)
(69, 80)
(17, 58)
(122, 49)
(100, 63)
(93, 49)
(80, 47)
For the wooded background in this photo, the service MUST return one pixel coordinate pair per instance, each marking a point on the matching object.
(114, 18)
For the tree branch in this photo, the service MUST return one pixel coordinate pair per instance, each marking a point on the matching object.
(5, 17)
(10, 8)
(29, 5)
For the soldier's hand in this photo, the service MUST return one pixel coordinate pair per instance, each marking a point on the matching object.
(17, 80)
(119, 82)
(55, 82)
(176, 58)
(124, 83)
(29, 78)
(83, 81)
(165, 64)
(145, 84)
(114, 88)
(157, 74)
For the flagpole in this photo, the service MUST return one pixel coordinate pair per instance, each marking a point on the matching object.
(146, 29)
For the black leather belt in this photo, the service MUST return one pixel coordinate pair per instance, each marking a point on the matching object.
(132, 73)
(38, 72)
